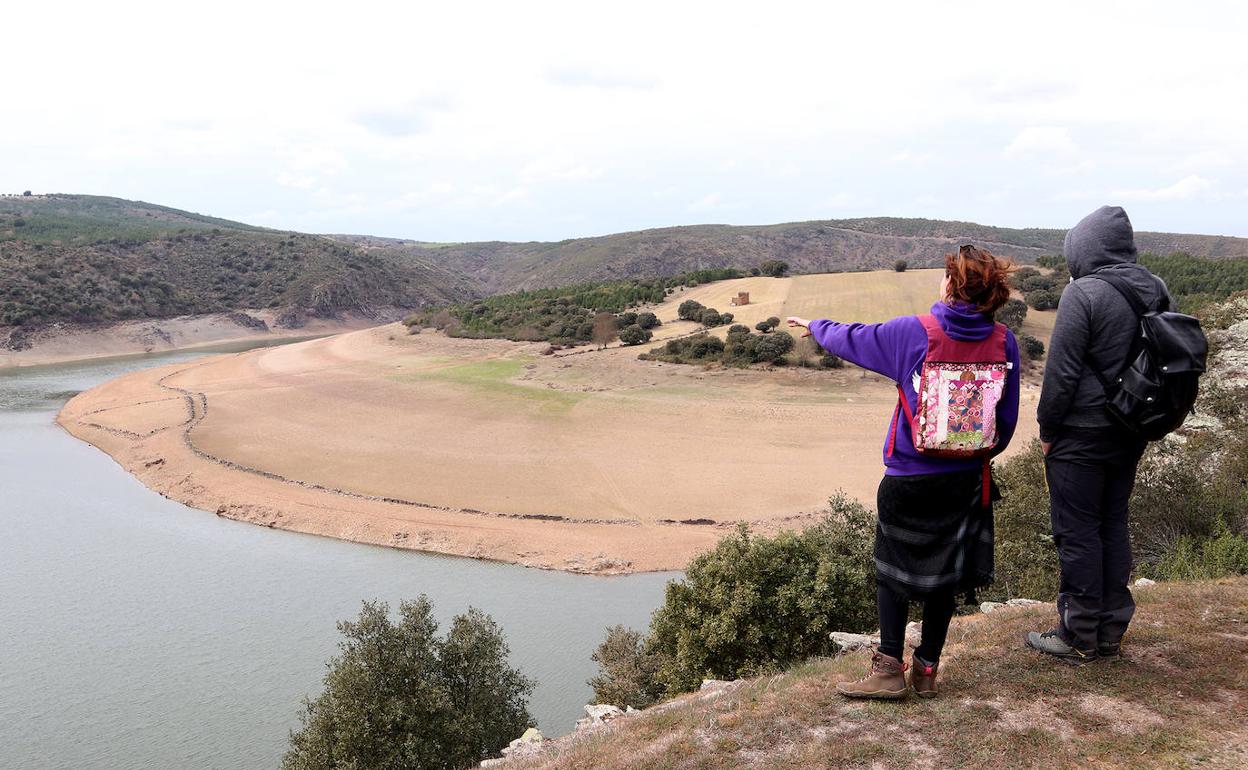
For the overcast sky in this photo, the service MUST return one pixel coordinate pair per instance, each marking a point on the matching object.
(531, 120)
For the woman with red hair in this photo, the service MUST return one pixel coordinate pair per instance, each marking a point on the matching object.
(957, 375)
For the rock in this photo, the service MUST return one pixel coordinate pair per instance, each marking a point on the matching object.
(602, 713)
(1023, 602)
(988, 607)
(914, 633)
(493, 762)
(247, 321)
(526, 745)
(851, 642)
(1144, 582)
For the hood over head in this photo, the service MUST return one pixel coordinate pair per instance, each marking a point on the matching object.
(962, 321)
(1102, 238)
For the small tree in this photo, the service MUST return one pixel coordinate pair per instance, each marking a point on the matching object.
(1032, 347)
(690, 310)
(726, 318)
(774, 321)
(773, 347)
(398, 696)
(647, 320)
(626, 670)
(774, 268)
(634, 335)
(711, 317)
(605, 329)
(763, 326)
(1013, 313)
(830, 361)
(1044, 299)
(755, 604)
(900, 265)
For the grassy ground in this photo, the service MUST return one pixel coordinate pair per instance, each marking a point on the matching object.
(1178, 700)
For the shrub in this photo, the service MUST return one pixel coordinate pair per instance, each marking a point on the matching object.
(1043, 299)
(1012, 314)
(763, 326)
(690, 310)
(626, 319)
(648, 320)
(829, 361)
(773, 347)
(900, 265)
(1033, 348)
(711, 317)
(738, 331)
(627, 670)
(1194, 559)
(774, 268)
(755, 604)
(1026, 558)
(726, 318)
(634, 335)
(398, 696)
(773, 321)
(705, 346)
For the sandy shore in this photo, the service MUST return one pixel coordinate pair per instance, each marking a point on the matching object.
(60, 343)
(593, 462)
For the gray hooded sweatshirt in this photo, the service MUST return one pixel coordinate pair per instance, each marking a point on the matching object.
(1095, 324)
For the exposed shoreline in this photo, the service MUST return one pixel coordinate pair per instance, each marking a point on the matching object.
(67, 343)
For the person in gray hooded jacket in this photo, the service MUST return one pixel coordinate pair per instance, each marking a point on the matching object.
(1090, 461)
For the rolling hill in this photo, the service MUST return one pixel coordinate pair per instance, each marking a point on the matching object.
(808, 247)
(91, 259)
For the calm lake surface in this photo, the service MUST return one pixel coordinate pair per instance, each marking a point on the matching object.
(136, 632)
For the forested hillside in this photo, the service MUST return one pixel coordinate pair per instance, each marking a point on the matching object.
(807, 247)
(91, 259)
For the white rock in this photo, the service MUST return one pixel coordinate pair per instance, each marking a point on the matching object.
(1023, 602)
(914, 633)
(851, 642)
(601, 713)
(1142, 582)
(492, 762)
(988, 607)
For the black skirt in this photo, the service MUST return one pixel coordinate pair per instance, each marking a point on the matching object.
(934, 535)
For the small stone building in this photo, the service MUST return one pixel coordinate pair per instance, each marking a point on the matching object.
(742, 298)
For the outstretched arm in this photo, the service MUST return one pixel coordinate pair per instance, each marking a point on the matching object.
(882, 348)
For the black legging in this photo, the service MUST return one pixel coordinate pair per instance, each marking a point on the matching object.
(895, 610)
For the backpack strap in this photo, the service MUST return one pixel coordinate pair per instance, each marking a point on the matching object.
(1137, 306)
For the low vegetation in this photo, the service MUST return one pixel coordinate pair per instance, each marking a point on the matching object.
(566, 315)
(739, 348)
(399, 695)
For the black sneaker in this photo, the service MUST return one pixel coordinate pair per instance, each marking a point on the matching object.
(1050, 643)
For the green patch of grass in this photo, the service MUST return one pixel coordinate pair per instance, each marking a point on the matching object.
(495, 376)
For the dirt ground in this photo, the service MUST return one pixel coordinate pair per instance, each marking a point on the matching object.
(590, 462)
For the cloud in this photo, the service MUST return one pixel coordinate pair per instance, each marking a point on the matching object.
(1185, 188)
(1041, 140)
(398, 121)
(597, 77)
(709, 202)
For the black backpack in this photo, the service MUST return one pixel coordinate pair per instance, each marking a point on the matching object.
(1156, 389)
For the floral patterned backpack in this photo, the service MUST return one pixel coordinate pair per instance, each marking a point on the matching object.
(959, 386)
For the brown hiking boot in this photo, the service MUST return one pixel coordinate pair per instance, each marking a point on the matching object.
(886, 680)
(923, 677)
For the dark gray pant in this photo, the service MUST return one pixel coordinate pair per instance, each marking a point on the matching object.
(1091, 473)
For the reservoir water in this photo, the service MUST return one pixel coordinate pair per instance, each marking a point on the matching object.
(136, 632)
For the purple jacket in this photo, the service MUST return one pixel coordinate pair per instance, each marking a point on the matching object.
(896, 349)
